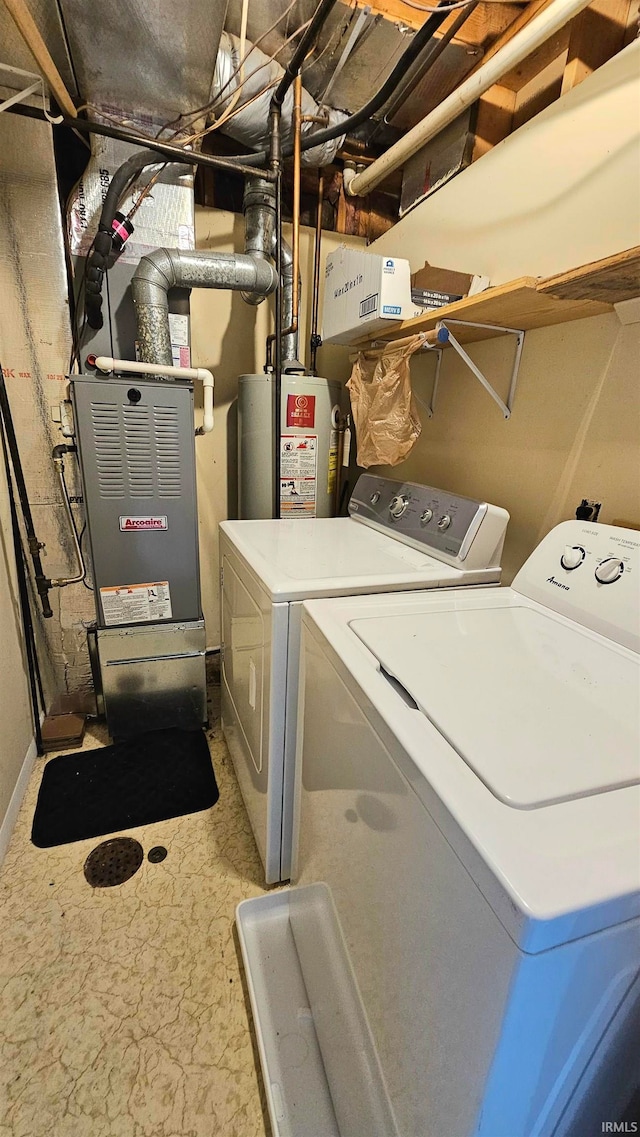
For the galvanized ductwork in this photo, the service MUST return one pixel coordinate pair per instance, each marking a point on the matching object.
(249, 124)
(259, 208)
(164, 269)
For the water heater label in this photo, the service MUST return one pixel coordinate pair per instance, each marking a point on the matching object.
(298, 474)
(138, 524)
(136, 603)
(301, 410)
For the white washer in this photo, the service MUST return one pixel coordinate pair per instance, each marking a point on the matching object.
(411, 537)
(465, 933)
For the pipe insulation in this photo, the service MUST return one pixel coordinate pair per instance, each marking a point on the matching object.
(164, 269)
(540, 29)
(250, 122)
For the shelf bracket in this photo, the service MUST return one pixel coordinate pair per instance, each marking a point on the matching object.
(444, 335)
(431, 405)
(36, 85)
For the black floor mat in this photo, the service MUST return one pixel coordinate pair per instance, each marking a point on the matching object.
(166, 773)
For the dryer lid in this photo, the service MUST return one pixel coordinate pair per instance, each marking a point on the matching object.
(540, 709)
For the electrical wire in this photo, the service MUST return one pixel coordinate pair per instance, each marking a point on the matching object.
(243, 45)
(229, 114)
(208, 106)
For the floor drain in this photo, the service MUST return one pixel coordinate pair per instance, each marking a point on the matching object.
(113, 862)
(157, 854)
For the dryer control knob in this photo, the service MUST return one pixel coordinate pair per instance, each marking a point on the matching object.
(398, 505)
(444, 522)
(572, 557)
(375, 497)
(426, 516)
(609, 570)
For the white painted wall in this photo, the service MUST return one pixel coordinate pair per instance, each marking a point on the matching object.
(562, 191)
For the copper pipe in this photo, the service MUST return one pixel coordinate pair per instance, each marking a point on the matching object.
(315, 338)
(26, 25)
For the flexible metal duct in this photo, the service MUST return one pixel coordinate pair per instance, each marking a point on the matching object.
(164, 269)
(249, 124)
(259, 208)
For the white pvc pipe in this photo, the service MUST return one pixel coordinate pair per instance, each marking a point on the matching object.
(527, 40)
(106, 363)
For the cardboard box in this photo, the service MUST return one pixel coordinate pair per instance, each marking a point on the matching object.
(363, 294)
(433, 287)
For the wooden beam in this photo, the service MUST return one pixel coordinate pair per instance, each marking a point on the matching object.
(535, 63)
(525, 17)
(597, 34)
(26, 25)
(487, 22)
(494, 119)
(610, 280)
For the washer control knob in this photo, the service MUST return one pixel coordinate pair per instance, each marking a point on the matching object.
(426, 516)
(444, 522)
(398, 505)
(572, 557)
(375, 497)
(609, 570)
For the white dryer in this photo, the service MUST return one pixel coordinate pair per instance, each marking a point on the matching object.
(399, 536)
(461, 955)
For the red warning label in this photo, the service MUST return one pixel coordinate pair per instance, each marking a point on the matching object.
(301, 410)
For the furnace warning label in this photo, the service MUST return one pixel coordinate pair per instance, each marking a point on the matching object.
(136, 603)
(298, 474)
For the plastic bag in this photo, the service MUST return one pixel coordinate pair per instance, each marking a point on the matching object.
(384, 409)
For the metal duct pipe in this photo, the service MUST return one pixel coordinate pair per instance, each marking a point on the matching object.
(164, 269)
(260, 239)
(250, 123)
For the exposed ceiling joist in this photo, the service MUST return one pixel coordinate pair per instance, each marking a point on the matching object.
(488, 20)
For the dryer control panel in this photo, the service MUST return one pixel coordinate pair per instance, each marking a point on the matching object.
(591, 573)
(455, 529)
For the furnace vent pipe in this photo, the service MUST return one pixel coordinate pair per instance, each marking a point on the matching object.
(164, 269)
(260, 237)
(527, 40)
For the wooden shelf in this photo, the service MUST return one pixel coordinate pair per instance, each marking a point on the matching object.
(529, 303)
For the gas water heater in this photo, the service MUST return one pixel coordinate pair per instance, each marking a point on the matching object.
(310, 410)
(135, 441)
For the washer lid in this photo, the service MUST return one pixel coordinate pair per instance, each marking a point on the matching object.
(334, 556)
(539, 709)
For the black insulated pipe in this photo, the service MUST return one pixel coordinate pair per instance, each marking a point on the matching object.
(97, 262)
(297, 59)
(318, 137)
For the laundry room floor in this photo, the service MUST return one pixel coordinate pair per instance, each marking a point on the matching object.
(122, 1009)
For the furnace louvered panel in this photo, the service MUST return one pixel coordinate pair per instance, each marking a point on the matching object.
(167, 439)
(137, 452)
(107, 443)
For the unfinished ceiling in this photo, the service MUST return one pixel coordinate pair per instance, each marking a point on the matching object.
(154, 60)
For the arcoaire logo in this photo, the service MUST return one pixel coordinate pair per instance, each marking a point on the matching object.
(136, 524)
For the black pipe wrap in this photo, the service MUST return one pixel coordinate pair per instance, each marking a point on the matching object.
(103, 244)
(319, 137)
